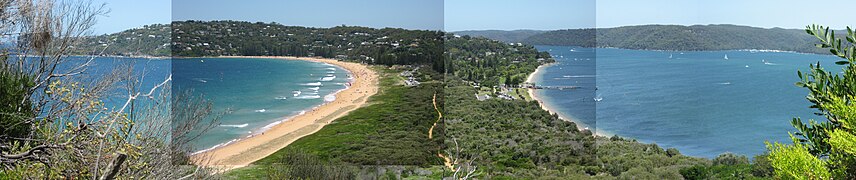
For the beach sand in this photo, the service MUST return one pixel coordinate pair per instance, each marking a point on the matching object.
(250, 149)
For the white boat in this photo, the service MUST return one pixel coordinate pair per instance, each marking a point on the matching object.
(670, 56)
(726, 56)
(598, 98)
(296, 93)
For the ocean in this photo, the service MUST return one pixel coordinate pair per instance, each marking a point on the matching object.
(255, 94)
(698, 102)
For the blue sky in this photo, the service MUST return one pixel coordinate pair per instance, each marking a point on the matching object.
(791, 14)
(409, 14)
(456, 15)
(519, 14)
(127, 14)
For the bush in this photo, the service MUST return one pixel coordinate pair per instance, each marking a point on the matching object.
(15, 104)
(730, 159)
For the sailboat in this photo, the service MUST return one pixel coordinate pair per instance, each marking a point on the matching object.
(726, 56)
(670, 56)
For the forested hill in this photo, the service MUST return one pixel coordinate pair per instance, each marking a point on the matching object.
(149, 40)
(385, 46)
(500, 35)
(672, 37)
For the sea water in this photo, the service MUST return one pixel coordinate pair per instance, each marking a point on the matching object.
(698, 102)
(255, 94)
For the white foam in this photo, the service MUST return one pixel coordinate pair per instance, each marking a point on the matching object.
(281, 98)
(309, 97)
(261, 110)
(296, 93)
(215, 146)
(332, 69)
(235, 125)
(578, 76)
(313, 84)
(315, 88)
(328, 78)
(331, 72)
(330, 98)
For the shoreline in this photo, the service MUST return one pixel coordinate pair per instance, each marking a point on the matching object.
(545, 106)
(244, 151)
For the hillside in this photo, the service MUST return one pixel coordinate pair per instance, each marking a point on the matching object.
(149, 40)
(499, 35)
(387, 46)
(682, 38)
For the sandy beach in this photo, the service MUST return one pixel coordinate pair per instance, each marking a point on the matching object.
(531, 79)
(250, 149)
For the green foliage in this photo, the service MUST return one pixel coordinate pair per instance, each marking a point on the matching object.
(730, 159)
(300, 165)
(681, 38)
(761, 166)
(387, 46)
(514, 36)
(795, 162)
(149, 40)
(16, 111)
(824, 150)
(492, 63)
(729, 166)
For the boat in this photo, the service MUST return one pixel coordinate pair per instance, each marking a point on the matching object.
(598, 98)
(726, 56)
(670, 56)
(296, 93)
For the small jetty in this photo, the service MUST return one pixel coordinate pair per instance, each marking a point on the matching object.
(535, 86)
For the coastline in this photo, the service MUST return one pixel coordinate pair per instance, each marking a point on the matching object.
(249, 149)
(545, 106)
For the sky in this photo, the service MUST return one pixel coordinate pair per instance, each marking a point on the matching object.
(789, 14)
(519, 14)
(127, 14)
(457, 15)
(408, 14)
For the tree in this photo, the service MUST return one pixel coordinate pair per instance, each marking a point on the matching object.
(824, 150)
(75, 135)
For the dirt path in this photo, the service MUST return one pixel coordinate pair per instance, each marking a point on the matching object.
(446, 161)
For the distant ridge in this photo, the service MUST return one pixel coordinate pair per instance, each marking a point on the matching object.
(666, 37)
(501, 35)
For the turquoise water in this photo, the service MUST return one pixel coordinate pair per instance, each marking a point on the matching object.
(256, 93)
(697, 102)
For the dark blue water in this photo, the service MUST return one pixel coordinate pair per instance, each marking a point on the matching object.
(698, 102)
